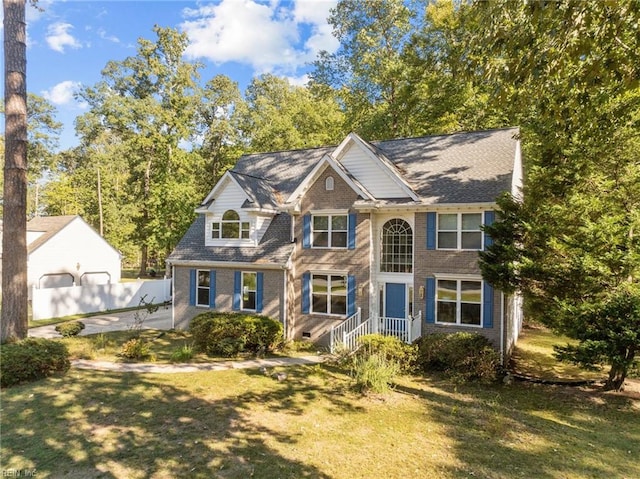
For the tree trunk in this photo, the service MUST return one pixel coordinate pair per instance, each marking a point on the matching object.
(14, 316)
(615, 381)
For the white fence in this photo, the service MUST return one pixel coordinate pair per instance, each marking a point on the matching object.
(59, 302)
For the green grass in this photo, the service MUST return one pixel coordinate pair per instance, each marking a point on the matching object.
(163, 346)
(533, 356)
(242, 424)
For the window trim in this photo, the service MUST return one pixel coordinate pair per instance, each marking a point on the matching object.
(255, 291)
(199, 287)
(217, 226)
(382, 248)
(459, 231)
(329, 215)
(459, 279)
(328, 275)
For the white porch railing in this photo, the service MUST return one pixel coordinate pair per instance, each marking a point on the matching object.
(338, 332)
(405, 329)
(348, 332)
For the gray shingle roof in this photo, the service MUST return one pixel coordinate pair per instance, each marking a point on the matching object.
(473, 167)
(49, 226)
(274, 248)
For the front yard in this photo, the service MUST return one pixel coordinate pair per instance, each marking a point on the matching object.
(243, 423)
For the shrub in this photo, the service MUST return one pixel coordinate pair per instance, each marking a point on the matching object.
(72, 328)
(32, 359)
(462, 356)
(392, 348)
(136, 348)
(229, 334)
(374, 372)
(182, 354)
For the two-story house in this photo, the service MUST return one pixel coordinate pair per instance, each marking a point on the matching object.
(367, 236)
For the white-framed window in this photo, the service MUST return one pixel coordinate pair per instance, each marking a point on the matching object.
(459, 301)
(460, 231)
(329, 294)
(329, 231)
(397, 247)
(230, 227)
(203, 287)
(249, 291)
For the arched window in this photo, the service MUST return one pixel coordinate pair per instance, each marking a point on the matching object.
(397, 247)
(328, 183)
(230, 227)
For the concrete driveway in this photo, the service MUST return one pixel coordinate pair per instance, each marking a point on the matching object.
(161, 319)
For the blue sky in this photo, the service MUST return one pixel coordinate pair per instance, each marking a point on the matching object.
(70, 42)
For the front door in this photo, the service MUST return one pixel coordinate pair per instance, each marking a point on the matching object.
(395, 300)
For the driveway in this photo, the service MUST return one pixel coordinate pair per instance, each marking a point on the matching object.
(161, 319)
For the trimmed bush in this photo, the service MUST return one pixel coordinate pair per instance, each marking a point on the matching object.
(229, 334)
(67, 330)
(32, 359)
(392, 348)
(462, 356)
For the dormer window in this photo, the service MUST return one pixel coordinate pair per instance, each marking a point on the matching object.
(230, 227)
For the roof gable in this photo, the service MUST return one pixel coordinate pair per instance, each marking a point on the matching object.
(327, 162)
(50, 226)
(226, 190)
(372, 169)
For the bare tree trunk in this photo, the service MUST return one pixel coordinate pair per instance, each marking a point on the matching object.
(144, 249)
(14, 316)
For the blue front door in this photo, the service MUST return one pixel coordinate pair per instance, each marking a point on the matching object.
(395, 300)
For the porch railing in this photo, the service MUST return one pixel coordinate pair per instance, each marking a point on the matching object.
(337, 334)
(405, 329)
(346, 334)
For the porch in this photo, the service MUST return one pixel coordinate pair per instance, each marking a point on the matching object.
(345, 335)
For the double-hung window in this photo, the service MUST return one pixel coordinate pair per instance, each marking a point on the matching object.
(329, 294)
(460, 231)
(230, 227)
(204, 285)
(329, 231)
(459, 301)
(249, 290)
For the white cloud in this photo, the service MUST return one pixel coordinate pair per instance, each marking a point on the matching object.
(62, 93)
(279, 35)
(102, 33)
(58, 37)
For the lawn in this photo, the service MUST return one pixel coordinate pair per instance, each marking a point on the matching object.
(245, 424)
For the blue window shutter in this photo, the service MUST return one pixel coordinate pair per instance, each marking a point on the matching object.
(306, 231)
(431, 230)
(192, 286)
(259, 288)
(487, 305)
(306, 290)
(351, 295)
(430, 307)
(212, 289)
(351, 235)
(237, 290)
(489, 218)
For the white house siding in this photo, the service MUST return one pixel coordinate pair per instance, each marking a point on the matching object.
(75, 250)
(232, 197)
(371, 174)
